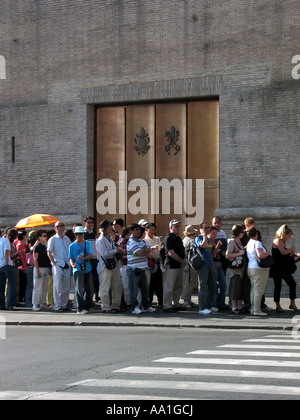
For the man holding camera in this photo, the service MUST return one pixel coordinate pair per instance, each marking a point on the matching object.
(80, 253)
(137, 264)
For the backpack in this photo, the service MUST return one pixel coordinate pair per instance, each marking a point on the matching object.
(194, 256)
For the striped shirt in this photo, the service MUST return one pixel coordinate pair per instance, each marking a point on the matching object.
(134, 261)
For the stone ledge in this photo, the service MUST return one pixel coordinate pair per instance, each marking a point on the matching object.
(286, 214)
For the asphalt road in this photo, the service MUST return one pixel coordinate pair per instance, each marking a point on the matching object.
(134, 363)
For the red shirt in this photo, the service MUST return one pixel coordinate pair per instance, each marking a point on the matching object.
(21, 246)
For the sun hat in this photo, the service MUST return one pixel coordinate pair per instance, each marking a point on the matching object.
(79, 229)
(189, 230)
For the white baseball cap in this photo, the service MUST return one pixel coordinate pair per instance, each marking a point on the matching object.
(174, 222)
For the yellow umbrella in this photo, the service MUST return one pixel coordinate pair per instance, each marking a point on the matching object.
(36, 220)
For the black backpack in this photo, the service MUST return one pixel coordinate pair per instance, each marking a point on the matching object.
(194, 256)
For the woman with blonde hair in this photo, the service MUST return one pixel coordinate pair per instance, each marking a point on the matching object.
(283, 269)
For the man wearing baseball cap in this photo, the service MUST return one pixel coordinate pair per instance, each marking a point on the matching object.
(174, 263)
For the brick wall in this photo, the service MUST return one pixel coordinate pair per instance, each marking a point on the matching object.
(62, 58)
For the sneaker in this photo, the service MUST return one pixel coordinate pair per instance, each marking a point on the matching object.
(11, 308)
(150, 309)
(83, 312)
(213, 309)
(205, 312)
(169, 310)
(36, 308)
(260, 314)
(136, 311)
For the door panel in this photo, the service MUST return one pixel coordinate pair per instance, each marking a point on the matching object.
(170, 162)
(203, 151)
(140, 159)
(110, 155)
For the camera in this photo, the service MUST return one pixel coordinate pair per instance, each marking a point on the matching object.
(82, 267)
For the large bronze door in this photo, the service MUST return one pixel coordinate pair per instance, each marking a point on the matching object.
(158, 162)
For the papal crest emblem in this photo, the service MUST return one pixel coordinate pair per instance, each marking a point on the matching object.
(142, 141)
(172, 137)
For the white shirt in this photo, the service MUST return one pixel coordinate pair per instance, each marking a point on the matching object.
(60, 249)
(251, 252)
(4, 246)
(153, 242)
(105, 249)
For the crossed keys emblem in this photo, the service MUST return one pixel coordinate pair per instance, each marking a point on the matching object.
(142, 141)
(172, 137)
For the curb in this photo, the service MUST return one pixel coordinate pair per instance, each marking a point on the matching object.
(149, 324)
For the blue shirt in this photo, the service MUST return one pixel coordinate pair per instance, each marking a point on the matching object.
(206, 252)
(76, 250)
(4, 246)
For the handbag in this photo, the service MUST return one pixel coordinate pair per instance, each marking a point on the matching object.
(110, 263)
(237, 262)
(30, 259)
(195, 258)
(290, 264)
(17, 262)
(265, 262)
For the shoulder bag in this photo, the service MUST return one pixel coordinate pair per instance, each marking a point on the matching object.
(237, 262)
(290, 264)
(110, 263)
(265, 262)
(195, 257)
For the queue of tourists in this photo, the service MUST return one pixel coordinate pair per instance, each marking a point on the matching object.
(129, 268)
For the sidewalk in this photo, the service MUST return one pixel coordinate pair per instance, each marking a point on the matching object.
(182, 319)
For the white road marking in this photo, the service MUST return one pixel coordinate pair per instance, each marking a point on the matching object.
(219, 361)
(245, 353)
(191, 386)
(210, 372)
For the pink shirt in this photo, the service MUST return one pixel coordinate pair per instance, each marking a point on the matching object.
(20, 247)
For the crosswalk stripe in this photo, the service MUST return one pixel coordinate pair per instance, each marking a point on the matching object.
(216, 361)
(210, 372)
(191, 386)
(260, 346)
(270, 340)
(279, 336)
(246, 353)
(25, 395)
